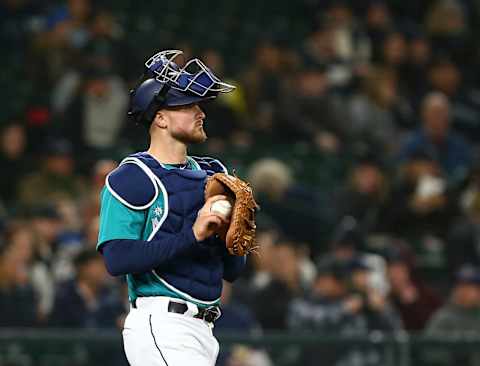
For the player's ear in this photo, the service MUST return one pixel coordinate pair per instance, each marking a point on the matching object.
(160, 119)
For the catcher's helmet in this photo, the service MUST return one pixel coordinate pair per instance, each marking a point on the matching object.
(168, 85)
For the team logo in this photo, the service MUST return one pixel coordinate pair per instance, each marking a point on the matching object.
(155, 223)
(157, 212)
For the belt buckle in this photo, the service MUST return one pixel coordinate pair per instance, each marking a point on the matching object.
(211, 314)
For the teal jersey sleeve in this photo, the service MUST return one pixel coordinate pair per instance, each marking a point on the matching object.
(117, 221)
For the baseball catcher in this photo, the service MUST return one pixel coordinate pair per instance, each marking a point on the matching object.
(158, 225)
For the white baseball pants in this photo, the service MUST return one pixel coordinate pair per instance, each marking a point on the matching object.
(152, 336)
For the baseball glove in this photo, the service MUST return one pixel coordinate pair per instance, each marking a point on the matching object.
(239, 235)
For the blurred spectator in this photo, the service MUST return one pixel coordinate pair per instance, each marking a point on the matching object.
(66, 32)
(470, 200)
(56, 178)
(91, 232)
(17, 21)
(272, 301)
(319, 45)
(463, 236)
(426, 196)
(46, 226)
(263, 81)
(437, 139)
(379, 23)
(235, 316)
(422, 210)
(459, 317)
(350, 42)
(339, 305)
(349, 243)
(267, 237)
(70, 239)
(447, 25)
(13, 160)
(90, 205)
(102, 48)
(72, 223)
(287, 202)
(379, 114)
(410, 295)
(379, 313)
(245, 356)
(415, 73)
(365, 196)
(310, 113)
(394, 52)
(258, 273)
(18, 303)
(96, 116)
(267, 171)
(78, 303)
(238, 319)
(446, 76)
(21, 237)
(107, 43)
(340, 42)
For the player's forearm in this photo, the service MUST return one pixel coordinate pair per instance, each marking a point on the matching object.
(123, 256)
(233, 266)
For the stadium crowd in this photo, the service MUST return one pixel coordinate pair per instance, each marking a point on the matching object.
(361, 141)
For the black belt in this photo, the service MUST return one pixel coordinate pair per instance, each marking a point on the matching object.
(209, 314)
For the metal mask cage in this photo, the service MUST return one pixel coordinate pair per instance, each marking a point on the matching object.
(194, 77)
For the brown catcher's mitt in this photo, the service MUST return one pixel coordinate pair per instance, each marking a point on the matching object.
(239, 236)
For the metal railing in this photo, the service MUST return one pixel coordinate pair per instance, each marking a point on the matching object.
(65, 347)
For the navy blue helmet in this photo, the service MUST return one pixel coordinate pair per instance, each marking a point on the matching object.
(168, 85)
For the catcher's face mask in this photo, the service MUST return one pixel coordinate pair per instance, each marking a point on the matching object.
(194, 77)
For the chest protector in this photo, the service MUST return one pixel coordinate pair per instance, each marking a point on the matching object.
(197, 273)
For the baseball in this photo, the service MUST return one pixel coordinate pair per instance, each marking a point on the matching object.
(221, 207)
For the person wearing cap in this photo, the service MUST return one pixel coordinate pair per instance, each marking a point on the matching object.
(80, 303)
(56, 179)
(377, 310)
(156, 226)
(335, 306)
(460, 316)
(462, 313)
(365, 197)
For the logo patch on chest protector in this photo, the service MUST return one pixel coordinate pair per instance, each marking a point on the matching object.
(155, 223)
(158, 211)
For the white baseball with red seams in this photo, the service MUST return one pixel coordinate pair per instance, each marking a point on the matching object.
(222, 207)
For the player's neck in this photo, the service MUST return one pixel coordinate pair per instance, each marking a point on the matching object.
(168, 153)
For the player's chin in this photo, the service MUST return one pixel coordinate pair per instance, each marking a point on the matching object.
(201, 136)
(197, 139)
(202, 139)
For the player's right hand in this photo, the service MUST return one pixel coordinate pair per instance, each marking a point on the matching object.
(208, 222)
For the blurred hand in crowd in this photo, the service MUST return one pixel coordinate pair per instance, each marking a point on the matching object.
(401, 284)
(353, 304)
